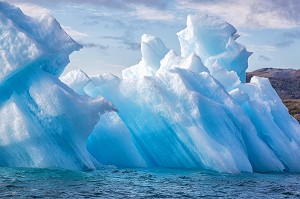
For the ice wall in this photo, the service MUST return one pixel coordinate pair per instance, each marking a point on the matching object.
(193, 110)
(43, 122)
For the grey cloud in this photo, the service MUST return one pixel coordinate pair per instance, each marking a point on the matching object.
(286, 9)
(108, 20)
(132, 45)
(125, 42)
(209, 1)
(264, 58)
(285, 43)
(116, 4)
(254, 13)
(93, 45)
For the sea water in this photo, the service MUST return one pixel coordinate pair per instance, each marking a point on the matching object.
(144, 183)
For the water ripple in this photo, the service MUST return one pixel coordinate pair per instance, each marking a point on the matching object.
(144, 183)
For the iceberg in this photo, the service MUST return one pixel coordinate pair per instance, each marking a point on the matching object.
(192, 110)
(43, 122)
(187, 110)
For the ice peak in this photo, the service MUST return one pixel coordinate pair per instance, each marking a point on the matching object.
(35, 42)
(213, 40)
(153, 50)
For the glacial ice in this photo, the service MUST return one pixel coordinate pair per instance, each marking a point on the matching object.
(43, 122)
(213, 40)
(192, 110)
(153, 50)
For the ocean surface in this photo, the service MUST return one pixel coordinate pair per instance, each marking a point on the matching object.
(144, 183)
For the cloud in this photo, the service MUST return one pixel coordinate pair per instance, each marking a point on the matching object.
(125, 42)
(262, 48)
(288, 38)
(132, 45)
(250, 14)
(113, 9)
(115, 4)
(285, 43)
(93, 45)
(264, 58)
(288, 9)
(145, 13)
(74, 33)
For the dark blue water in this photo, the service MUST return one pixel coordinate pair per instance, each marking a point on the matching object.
(141, 183)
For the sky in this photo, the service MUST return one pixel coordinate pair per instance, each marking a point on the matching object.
(110, 30)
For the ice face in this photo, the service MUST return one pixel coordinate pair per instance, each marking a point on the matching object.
(179, 118)
(43, 122)
(76, 79)
(153, 50)
(188, 114)
(40, 125)
(213, 40)
(172, 60)
(111, 143)
(36, 42)
(274, 124)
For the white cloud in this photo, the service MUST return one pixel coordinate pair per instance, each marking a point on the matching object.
(32, 9)
(250, 14)
(244, 34)
(146, 13)
(74, 33)
(261, 48)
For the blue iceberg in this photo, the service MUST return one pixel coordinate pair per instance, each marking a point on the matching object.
(192, 110)
(43, 122)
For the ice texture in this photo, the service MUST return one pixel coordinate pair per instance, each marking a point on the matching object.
(43, 122)
(36, 42)
(214, 41)
(192, 110)
(153, 50)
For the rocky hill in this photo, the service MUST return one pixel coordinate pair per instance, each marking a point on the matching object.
(286, 82)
